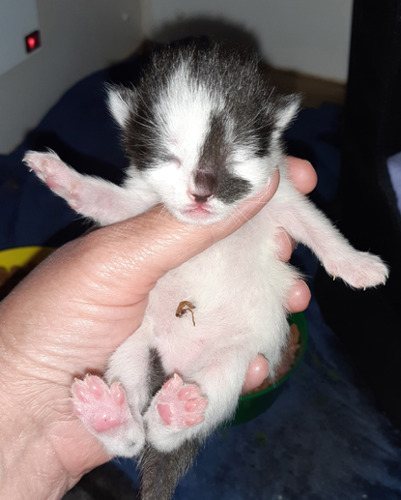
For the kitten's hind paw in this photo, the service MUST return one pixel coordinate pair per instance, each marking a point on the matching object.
(175, 414)
(105, 413)
(180, 405)
(101, 408)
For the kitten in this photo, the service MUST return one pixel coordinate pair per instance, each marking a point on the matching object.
(203, 132)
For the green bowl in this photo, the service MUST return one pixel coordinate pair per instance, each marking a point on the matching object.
(253, 405)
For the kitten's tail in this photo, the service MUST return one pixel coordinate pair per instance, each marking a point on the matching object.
(161, 472)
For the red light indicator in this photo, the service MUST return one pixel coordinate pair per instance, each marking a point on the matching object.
(32, 41)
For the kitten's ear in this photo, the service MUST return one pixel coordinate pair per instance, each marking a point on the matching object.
(121, 102)
(287, 108)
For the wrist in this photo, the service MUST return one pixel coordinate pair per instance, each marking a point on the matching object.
(29, 466)
(44, 448)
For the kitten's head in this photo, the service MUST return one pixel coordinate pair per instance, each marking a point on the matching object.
(203, 127)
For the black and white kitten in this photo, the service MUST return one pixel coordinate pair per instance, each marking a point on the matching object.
(202, 131)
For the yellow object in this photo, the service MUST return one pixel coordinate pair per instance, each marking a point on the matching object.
(22, 256)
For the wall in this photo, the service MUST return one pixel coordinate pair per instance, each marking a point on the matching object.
(17, 20)
(78, 37)
(309, 36)
(81, 36)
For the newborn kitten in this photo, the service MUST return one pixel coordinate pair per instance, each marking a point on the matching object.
(203, 132)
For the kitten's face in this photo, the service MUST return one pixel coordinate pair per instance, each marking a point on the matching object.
(199, 197)
(200, 172)
(204, 140)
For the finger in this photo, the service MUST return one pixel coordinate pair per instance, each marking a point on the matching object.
(257, 372)
(155, 242)
(285, 244)
(299, 297)
(302, 174)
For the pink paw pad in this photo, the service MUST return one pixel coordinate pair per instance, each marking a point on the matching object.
(181, 405)
(99, 407)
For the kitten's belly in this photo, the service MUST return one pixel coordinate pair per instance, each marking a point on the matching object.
(238, 292)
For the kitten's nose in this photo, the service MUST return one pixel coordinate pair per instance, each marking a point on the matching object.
(201, 198)
(205, 186)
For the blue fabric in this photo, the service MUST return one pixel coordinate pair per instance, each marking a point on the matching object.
(323, 438)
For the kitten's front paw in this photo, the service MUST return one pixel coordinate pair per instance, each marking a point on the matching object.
(361, 270)
(180, 405)
(105, 413)
(60, 178)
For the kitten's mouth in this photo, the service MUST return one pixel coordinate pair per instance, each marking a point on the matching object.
(198, 215)
(198, 212)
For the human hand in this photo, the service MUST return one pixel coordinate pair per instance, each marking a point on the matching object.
(98, 286)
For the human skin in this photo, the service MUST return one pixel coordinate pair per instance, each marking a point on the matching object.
(71, 313)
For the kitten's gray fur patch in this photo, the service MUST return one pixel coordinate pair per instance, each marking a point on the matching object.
(161, 472)
(213, 162)
(157, 375)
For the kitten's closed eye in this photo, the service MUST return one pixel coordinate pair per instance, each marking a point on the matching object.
(170, 158)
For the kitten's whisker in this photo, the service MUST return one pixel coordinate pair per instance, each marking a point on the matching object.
(163, 211)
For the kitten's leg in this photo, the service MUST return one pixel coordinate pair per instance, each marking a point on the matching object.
(92, 197)
(112, 411)
(308, 225)
(105, 413)
(181, 411)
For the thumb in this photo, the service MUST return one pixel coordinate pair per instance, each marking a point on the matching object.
(151, 244)
(119, 264)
